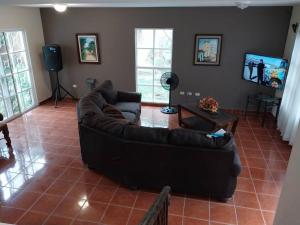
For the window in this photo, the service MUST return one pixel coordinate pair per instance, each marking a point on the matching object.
(153, 52)
(16, 89)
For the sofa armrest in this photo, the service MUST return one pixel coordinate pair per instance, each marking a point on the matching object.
(237, 166)
(124, 96)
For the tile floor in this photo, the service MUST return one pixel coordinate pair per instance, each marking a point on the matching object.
(47, 183)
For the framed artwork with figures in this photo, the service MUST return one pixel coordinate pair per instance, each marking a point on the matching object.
(88, 48)
(207, 49)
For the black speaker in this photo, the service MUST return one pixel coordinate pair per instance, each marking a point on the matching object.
(52, 57)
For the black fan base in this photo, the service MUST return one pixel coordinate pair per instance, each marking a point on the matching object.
(169, 110)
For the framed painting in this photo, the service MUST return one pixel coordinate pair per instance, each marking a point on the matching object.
(207, 49)
(88, 48)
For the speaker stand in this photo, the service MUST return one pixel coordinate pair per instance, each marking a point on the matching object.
(56, 94)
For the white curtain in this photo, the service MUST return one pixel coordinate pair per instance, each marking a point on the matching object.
(289, 115)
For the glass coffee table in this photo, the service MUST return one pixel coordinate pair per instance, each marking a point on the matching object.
(206, 121)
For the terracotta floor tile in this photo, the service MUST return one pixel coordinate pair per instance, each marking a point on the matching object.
(192, 221)
(39, 184)
(124, 197)
(82, 222)
(245, 184)
(23, 200)
(249, 216)
(102, 193)
(69, 207)
(257, 163)
(197, 209)
(92, 211)
(81, 191)
(32, 218)
(266, 187)
(10, 215)
(60, 187)
(222, 213)
(277, 165)
(116, 215)
(56, 220)
(45, 152)
(269, 217)
(145, 200)
(136, 216)
(278, 175)
(245, 172)
(268, 202)
(246, 199)
(174, 220)
(90, 177)
(176, 205)
(108, 182)
(261, 174)
(71, 174)
(253, 153)
(46, 204)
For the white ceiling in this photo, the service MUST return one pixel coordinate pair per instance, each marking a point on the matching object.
(148, 3)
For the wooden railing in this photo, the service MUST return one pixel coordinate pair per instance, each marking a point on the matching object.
(158, 212)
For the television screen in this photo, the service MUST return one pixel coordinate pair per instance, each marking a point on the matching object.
(264, 70)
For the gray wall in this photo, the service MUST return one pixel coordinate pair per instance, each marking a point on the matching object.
(255, 29)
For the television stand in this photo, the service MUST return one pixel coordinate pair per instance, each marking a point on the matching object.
(267, 101)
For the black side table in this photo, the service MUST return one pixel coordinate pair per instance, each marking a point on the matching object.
(268, 102)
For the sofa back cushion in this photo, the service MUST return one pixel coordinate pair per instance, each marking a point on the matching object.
(107, 124)
(87, 107)
(197, 138)
(97, 98)
(108, 92)
(146, 134)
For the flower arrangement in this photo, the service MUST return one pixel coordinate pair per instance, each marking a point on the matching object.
(209, 104)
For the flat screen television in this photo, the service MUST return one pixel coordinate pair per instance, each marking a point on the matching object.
(265, 70)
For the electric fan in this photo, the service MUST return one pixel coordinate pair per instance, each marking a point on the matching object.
(169, 81)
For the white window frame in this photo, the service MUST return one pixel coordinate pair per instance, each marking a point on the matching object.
(153, 68)
(30, 70)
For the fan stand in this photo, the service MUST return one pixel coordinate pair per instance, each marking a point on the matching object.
(169, 109)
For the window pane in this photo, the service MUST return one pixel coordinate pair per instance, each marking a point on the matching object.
(144, 38)
(5, 66)
(23, 80)
(161, 95)
(147, 93)
(19, 62)
(144, 76)
(2, 44)
(28, 100)
(2, 108)
(15, 41)
(10, 85)
(157, 75)
(163, 38)
(162, 58)
(15, 104)
(144, 57)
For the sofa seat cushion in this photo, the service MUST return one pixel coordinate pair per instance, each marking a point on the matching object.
(147, 134)
(188, 137)
(133, 118)
(133, 107)
(112, 111)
